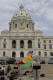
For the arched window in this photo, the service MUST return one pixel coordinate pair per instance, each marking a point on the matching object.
(29, 44)
(39, 53)
(22, 54)
(45, 53)
(21, 44)
(13, 44)
(13, 54)
(4, 53)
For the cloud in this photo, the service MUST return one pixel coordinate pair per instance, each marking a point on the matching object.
(41, 26)
(49, 14)
(46, 10)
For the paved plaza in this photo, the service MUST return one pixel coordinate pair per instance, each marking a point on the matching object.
(49, 77)
(46, 69)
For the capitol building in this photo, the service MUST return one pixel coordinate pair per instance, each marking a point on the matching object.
(22, 38)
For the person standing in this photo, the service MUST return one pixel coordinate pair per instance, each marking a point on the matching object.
(35, 66)
(4, 70)
(8, 68)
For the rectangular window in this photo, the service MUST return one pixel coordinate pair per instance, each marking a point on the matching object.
(4, 53)
(44, 46)
(45, 53)
(49, 41)
(15, 25)
(38, 45)
(44, 41)
(51, 53)
(39, 53)
(27, 25)
(4, 45)
(50, 46)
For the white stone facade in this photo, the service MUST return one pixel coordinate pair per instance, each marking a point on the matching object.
(22, 38)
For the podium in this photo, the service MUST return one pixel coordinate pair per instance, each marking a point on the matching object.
(36, 71)
(37, 67)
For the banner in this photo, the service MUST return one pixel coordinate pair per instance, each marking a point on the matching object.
(26, 65)
(28, 59)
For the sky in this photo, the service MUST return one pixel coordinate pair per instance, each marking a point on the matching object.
(41, 12)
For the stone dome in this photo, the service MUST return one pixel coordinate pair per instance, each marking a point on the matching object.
(22, 13)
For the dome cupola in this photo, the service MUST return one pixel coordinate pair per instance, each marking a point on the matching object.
(21, 21)
(22, 13)
(21, 7)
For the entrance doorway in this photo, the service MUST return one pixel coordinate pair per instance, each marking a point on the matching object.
(22, 54)
(13, 54)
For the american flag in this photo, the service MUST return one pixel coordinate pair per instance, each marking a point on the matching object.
(30, 53)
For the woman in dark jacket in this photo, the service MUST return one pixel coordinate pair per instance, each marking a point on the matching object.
(8, 68)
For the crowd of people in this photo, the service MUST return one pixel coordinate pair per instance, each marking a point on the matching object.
(4, 71)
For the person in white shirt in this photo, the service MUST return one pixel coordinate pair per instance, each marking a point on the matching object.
(35, 65)
(35, 61)
(4, 70)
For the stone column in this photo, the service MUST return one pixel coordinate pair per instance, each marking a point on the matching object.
(12, 25)
(10, 44)
(26, 44)
(33, 44)
(18, 44)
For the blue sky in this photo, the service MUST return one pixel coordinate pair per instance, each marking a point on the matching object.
(40, 10)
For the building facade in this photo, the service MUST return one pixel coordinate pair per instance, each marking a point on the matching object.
(22, 38)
